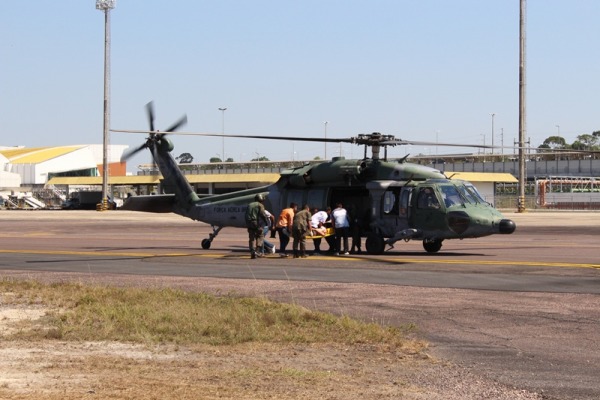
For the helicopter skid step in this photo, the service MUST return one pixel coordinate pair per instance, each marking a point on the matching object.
(405, 234)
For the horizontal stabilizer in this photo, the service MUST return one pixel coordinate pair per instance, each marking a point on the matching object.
(158, 203)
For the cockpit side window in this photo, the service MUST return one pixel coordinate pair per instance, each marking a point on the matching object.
(427, 198)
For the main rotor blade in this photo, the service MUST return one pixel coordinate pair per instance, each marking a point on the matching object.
(419, 143)
(296, 138)
(386, 142)
(318, 139)
(150, 112)
(133, 152)
(182, 121)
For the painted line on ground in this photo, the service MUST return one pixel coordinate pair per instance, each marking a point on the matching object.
(399, 260)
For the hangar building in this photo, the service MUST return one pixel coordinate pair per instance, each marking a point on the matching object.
(34, 167)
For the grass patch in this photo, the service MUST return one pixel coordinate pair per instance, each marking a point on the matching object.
(140, 315)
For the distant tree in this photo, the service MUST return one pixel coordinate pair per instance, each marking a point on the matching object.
(317, 158)
(588, 141)
(215, 160)
(554, 142)
(184, 158)
(261, 158)
(229, 160)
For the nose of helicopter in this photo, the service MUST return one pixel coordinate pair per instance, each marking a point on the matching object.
(507, 226)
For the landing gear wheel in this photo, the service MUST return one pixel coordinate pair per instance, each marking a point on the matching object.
(375, 244)
(432, 246)
(206, 242)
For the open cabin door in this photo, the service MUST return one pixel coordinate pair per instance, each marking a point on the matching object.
(396, 207)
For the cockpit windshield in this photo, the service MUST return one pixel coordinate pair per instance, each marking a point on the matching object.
(475, 192)
(466, 194)
(450, 195)
(470, 193)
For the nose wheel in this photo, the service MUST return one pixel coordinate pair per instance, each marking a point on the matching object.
(207, 242)
(432, 245)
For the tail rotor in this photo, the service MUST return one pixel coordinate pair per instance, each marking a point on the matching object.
(154, 136)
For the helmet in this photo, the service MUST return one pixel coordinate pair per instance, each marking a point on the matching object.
(259, 197)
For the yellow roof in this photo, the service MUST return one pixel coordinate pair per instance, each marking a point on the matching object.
(36, 155)
(97, 180)
(235, 178)
(499, 177)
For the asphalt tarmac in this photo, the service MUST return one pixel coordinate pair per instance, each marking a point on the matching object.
(522, 309)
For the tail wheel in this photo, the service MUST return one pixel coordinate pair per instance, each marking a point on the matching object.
(375, 244)
(206, 244)
(432, 246)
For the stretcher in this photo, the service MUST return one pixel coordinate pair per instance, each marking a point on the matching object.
(330, 231)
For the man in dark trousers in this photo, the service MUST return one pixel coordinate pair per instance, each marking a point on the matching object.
(284, 227)
(342, 226)
(256, 219)
(300, 228)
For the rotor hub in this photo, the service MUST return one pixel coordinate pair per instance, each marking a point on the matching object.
(374, 139)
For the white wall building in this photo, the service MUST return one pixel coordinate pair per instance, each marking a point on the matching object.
(35, 166)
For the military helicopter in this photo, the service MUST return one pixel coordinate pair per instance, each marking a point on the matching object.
(390, 200)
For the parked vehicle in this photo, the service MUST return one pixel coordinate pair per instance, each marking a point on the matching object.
(85, 200)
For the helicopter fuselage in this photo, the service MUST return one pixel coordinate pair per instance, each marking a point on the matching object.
(386, 201)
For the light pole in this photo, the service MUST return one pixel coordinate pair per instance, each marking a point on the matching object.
(325, 123)
(106, 6)
(558, 127)
(493, 115)
(483, 136)
(223, 109)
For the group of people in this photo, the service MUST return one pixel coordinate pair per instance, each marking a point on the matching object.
(296, 225)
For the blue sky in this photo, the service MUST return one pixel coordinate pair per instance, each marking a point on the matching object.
(419, 70)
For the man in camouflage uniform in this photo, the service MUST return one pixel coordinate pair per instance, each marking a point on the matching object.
(256, 219)
(300, 228)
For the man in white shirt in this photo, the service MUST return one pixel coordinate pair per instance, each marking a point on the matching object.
(317, 225)
(342, 226)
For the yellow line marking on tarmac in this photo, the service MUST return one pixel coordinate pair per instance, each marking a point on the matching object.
(428, 260)
(483, 262)
(107, 253)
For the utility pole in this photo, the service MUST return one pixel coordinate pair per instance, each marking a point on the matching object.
(223, 109)
(493, 115)
(325, 123)
(522, 108)
(502, 142)
(106, 6)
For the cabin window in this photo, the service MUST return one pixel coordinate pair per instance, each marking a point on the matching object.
(390, 201)
(405, 201)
